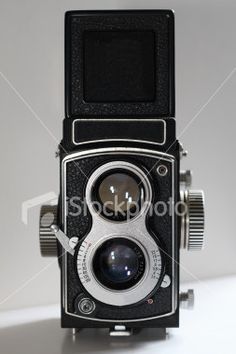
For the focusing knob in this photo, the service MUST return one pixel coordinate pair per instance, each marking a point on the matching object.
(192, 226)
(48, 241)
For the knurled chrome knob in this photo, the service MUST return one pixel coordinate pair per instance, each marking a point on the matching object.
(192, 227)
(186, 178)
(48, 241)
(187, 299)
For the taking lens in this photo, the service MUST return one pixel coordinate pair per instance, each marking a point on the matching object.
(119, 264)
(120, 194)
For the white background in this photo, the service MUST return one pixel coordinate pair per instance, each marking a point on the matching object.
(31, 60)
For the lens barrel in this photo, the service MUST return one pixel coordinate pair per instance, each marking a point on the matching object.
(119, 194)
(119, 264)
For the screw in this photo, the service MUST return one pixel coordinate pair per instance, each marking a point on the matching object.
(183, 153)
(162, 170)
(150, 301)
(54, 228)
(86, 306)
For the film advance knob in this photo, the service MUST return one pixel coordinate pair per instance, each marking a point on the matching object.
(48, 241)
(192, 225)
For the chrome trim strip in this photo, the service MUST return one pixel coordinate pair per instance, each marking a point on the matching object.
(94, 152)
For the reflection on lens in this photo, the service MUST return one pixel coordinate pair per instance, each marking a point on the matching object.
(120, 194)
(119, 264)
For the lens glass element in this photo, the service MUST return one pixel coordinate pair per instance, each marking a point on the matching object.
(119, 263)
(120, 194)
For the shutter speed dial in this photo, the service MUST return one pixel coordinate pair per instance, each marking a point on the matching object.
(192, 223)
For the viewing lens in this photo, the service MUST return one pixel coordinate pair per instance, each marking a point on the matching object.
(120, 194)
(119, 264)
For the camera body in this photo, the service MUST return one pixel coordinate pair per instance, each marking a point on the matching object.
(120, 220)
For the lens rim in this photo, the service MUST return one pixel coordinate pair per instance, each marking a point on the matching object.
(128, 168)
(120, 285)
(106, 212)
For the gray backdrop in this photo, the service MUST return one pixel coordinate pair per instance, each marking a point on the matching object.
(32, 108)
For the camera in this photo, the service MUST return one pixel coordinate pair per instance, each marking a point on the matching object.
(124, 209)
